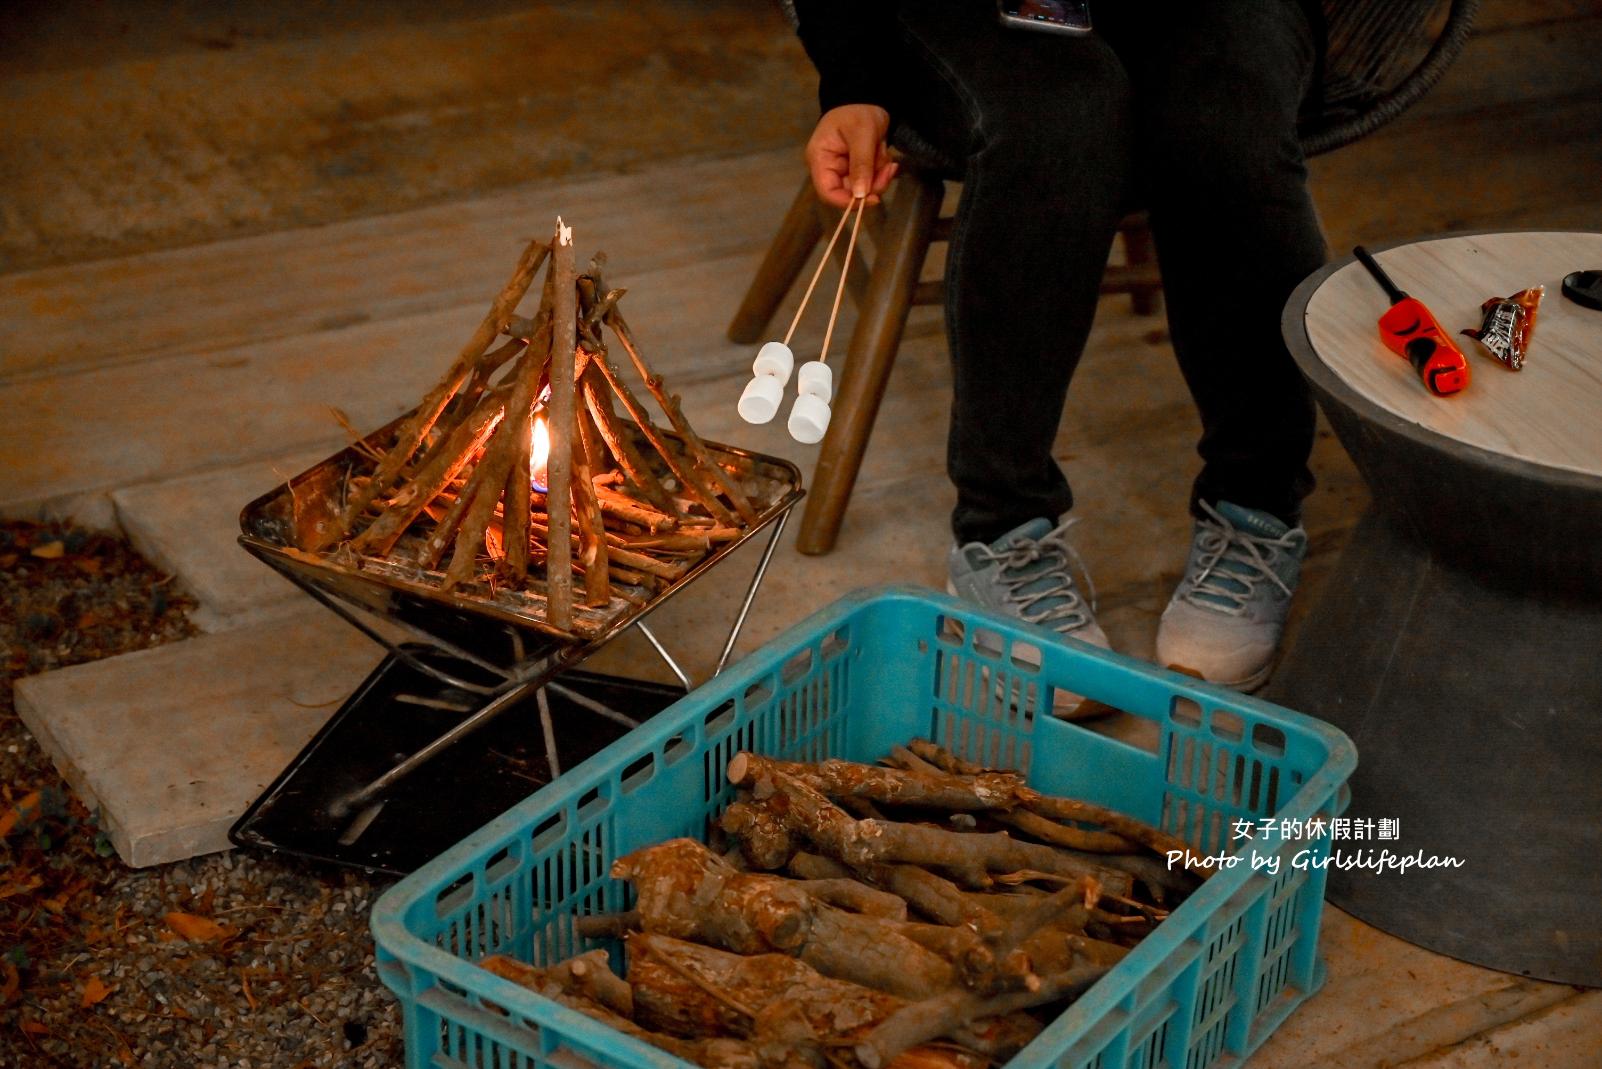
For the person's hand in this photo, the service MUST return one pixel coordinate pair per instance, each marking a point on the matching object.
(847, 154)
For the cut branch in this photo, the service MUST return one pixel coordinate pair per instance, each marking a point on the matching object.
(699, 458)
(559, 554)
(417, 425)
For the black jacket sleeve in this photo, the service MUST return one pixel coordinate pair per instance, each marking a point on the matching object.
(853, 44)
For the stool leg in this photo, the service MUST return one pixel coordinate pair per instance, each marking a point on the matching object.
(1138, 252)
(798, 235)
(907, 229)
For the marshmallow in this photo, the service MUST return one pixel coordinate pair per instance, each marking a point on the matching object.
(809, 419)
(761, 399)
(815, 380)
(776, 359)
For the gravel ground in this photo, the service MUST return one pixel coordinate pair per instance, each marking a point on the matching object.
(230, 960)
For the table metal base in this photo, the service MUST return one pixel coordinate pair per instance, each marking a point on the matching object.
(1477, 714)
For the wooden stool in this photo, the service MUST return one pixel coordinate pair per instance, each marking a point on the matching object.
(885, 293)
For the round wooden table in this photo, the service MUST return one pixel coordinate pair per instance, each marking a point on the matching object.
(1459, 641)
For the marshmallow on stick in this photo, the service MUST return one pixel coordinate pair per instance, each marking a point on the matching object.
(809, 417)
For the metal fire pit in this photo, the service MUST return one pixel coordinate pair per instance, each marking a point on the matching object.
(473, 654)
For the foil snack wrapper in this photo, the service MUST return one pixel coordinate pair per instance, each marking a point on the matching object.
(1507, 324)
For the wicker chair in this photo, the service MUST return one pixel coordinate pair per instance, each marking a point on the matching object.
(1383, 55)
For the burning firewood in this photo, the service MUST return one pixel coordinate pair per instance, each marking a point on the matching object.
(535, 482)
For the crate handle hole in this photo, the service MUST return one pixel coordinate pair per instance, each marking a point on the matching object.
(676, 750)
(458, 893)
(796, 667)
(502, 864)
(1268, 739)
(950, 631)
(1228, 725)
(550, 831)
(758, 694)
(593, 802)
(988, 643)
(638, 773)
(835, 643)
(719, 720)
(1026, 657)
(1185, 711)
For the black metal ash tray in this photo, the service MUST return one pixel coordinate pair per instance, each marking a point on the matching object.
(398, 711)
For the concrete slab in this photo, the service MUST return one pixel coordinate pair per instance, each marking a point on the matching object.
(172, 744)
(1565, 1036)
(1413, 1002)
(371, 270)
(129, 131)
(190, 527)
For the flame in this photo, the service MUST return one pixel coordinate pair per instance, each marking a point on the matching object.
(540, 449)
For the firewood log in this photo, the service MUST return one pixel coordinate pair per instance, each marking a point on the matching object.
(560, 425)
(1013, 814)
(1152, 838)
(950, 1011)
(968, 858)
(686, 891)
(935, 897)
(588, 975)
(778, 1002)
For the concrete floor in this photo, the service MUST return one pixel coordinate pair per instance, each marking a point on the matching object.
(220, 221)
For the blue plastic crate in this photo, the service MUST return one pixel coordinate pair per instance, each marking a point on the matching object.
(866, 674)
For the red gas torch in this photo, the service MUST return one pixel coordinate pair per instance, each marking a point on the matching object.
(1409, 330)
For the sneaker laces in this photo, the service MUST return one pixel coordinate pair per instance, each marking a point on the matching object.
(1232, 562)
(1054, 580)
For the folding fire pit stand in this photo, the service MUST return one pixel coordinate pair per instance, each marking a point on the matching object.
(371, 789)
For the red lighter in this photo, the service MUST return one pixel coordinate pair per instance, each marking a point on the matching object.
(1409, 331)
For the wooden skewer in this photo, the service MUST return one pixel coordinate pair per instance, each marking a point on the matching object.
(839, 291)
(822, 263)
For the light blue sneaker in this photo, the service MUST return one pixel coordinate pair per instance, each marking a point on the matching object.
(1027, 574)
(1226, 618)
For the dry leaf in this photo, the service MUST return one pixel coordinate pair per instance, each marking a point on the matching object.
(87, 620)
(196, 929)
(95, 992)
(48, 551)
(87, 565)
(10, 984)
(20, 813)
(20, 885)
(7, 559)
(35, 1028)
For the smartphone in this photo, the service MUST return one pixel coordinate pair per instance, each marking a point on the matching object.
(1051, 16)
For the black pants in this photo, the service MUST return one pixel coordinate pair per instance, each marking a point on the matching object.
(1186, 109)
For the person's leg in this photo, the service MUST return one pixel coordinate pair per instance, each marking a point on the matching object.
(1218, 85)
(1041, 125)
